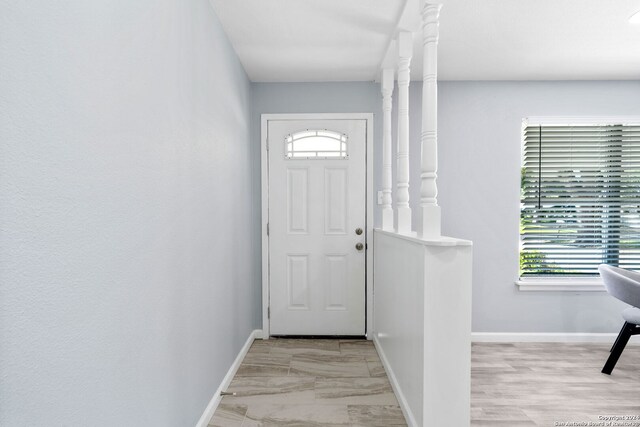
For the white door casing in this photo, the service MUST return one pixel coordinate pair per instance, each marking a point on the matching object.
(315, 273)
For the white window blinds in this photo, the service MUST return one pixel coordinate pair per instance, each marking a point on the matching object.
(580, 199)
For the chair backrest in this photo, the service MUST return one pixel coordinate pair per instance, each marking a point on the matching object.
(622, 284)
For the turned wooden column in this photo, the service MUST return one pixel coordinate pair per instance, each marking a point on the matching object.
(431, 221)
(387, 153)
(405, 50)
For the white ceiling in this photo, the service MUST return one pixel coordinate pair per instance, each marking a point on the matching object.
(346, 40)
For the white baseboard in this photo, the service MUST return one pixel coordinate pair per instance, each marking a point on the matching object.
(402, 401)
(548, 337)
(215, 400)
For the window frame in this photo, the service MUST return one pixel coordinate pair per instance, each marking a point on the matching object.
(293, 137)
(559, 283)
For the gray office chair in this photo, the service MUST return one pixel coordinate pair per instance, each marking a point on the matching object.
(624, 285)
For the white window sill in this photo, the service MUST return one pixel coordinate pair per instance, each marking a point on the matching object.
(561, 284)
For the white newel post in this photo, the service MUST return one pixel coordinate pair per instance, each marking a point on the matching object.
(431, 221)
(405, 50)
(387, 154)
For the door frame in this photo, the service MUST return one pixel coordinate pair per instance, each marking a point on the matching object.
(264, 136)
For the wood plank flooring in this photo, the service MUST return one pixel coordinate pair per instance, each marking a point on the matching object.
(541, 384)
(291, 382)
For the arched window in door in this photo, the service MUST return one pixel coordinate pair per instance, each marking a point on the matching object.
(316, 144)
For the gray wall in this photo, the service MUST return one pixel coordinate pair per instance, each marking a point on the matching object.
(479, 178)
(480, 149)
(125, 212)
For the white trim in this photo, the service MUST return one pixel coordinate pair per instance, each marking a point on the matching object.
(368, 117)
(215, 400)
(369, 228)
(264, 218)
(561, 284)
(438, 241)
(581, 120)
(317, 116)
(569, 337)
(402, 401)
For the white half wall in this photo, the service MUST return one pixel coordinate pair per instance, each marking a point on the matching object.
(422, 325)
(128, 275)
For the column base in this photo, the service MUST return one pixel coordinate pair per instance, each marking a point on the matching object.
(404, 220)
(431, 222)
(387, 219)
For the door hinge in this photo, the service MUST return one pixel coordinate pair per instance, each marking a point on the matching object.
(366, 246)
(269, 312)
(267, 229)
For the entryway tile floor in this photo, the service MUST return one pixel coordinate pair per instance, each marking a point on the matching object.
(310, 382)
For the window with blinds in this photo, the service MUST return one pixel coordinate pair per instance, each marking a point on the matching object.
(580, 199)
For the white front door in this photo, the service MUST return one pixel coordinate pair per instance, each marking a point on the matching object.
(317, 188)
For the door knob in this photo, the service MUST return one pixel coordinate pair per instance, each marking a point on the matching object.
(358, 231)
(359, 246)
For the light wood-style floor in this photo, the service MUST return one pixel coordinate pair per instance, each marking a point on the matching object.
(286, 382)
(541, 384)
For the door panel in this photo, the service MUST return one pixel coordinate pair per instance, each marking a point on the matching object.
(335, 200)
(297, 200)
(337, 269)
(317, 187)
(298, 281)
